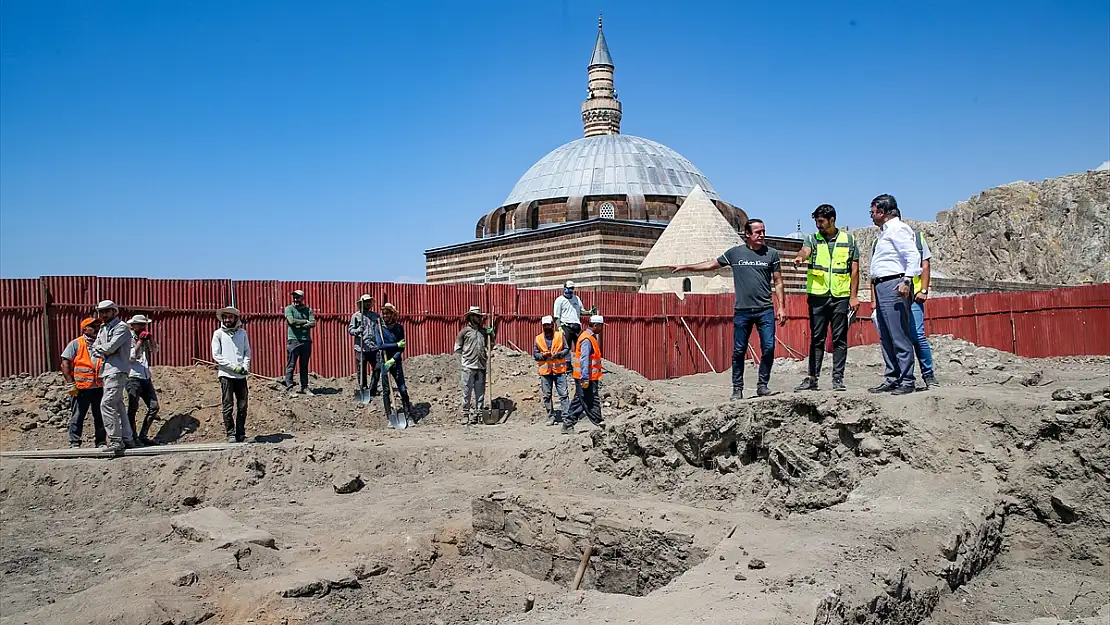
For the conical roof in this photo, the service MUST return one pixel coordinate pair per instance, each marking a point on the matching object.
(697, 232)
(601, 50)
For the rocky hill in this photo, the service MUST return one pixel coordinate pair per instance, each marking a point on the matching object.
(1052, 232)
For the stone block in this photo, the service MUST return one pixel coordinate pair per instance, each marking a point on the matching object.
(487, 515)
(532, 562)
(213, 524)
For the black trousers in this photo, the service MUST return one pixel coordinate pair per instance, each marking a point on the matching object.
(587, 401)
(570, 338)
(233, 399)
(825, 312)
(369, 363)
(141, 389)
(87, 398)
(297, 351)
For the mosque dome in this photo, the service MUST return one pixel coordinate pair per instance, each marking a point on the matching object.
(609, 165)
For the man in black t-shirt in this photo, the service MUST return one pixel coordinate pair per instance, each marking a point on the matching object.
(755, 267)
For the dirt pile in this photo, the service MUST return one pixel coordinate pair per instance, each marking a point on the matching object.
(981, 500)
(34, 410)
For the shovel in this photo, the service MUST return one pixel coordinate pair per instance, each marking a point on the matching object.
(363, 393)
(492, 416)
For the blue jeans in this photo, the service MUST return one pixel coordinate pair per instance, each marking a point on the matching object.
(921, 342)
(742, 321)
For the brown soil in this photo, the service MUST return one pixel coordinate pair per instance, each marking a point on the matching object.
(986, 499)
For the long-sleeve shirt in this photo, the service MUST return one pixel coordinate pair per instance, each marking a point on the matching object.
(587, 349)
(231, 351)
(568, 310)
(391, 334)
(299, 321)
(470, 345)
(364, 328)
(113, 345)
(559, 355)
(896, 251)
(140, 356)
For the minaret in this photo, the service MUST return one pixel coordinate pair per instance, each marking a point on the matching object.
(601, 112)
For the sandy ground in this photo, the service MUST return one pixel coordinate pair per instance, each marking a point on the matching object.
(984, 500)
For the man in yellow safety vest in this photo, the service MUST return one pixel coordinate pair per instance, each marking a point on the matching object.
(587, 377)
(550, 351)
(832, 288)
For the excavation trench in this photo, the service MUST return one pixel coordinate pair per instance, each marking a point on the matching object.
(546, 542)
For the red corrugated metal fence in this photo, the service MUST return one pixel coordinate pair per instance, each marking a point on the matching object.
(652, 334)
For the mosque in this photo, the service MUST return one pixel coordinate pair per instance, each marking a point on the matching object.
(591, 210)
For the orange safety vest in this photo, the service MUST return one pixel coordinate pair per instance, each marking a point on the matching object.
(86, 369)
(553, 366)
(595, 357)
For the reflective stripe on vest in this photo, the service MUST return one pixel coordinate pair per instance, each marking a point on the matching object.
(595, 357)
(830, 275)
(554, 366)
(86, 369)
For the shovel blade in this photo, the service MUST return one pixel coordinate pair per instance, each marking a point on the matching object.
(398, 420)
(363, 396)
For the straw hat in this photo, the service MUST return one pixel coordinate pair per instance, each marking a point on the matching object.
(228, 310)
(139, 319)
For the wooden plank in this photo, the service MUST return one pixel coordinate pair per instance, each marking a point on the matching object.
(94, 452)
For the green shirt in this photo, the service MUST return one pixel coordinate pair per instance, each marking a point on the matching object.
(300, 321)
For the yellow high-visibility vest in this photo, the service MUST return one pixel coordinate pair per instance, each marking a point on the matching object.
(830, 274)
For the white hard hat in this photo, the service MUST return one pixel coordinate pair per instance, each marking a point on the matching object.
(547, 321)
(597, 319)
(569, 284)
(107, 305)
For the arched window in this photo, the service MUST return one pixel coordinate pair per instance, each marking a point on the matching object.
(686, 285)
(534, 217)
(480, 229)
(501, 223)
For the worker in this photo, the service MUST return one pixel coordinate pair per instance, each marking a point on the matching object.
(392, 345)
(755, 269)
(921, 347)
(832, 290)
(231, 351)
(568, 314)
(299, 321)
(470, 345)
(587, 369)
(894, 265)
(550, 351)
(139, 383)
(365, 327)
(82, 372)
(113, 347)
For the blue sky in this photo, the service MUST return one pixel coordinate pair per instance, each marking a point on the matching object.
(337, 140)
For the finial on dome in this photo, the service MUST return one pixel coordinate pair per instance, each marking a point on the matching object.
(599, 20)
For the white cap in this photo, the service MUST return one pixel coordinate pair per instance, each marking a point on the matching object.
(107, 305)
(138, 319)
(299, 293)
(547, 321)
(569, 284)
(597, 319)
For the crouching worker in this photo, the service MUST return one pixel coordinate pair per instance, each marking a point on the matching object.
(587, 377)
(231, 350)
(550, 351)
(470, 345)
(82, 372)
(393, 344)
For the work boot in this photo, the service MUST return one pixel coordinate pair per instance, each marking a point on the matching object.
(302, 391)
(838, 385)
(808, 384)
(762, 390)
(550, 418)
(115, 447)
(885, 387)
(930, 381)
(148, 442)
(902, 390)
(75, 445)
(232, 439)
(129, 444)
(737, 394)
(568, 428)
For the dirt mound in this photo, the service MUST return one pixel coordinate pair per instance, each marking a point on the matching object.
(982, 500)
(34, 411)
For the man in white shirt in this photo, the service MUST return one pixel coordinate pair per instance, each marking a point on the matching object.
(568, 314)
(139, 383)
(894, 265)
(231, 351)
